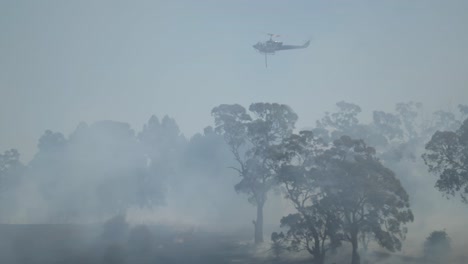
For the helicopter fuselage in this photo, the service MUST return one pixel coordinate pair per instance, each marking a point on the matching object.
(271, 46)
(268, 47)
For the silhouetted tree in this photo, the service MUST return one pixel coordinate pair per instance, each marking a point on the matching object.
(316, 225)
(250, 138)
(341, 192)
(437, 246)
(367, 195)
(447, 157)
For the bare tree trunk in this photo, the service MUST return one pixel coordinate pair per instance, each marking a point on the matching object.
(319, 256)
(354, 242)
(258, 225)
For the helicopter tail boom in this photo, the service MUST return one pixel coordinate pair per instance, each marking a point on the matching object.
(286, 47)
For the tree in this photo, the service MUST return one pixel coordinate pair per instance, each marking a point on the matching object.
(162, 141)
(119, 166)
(447, 156)
(98, 170)
(207, 153)
(162, 144)
(49, 172)
(342, 122)
(368, 196)
(250, 138)
(444, 120)
(408, 112)
(437, 245)
(388, 125)
(341, 193)
(463, 110)
(316, 225)
(277, 245)
(11, 169)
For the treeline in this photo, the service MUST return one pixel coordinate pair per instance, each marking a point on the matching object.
(347, 180)
(105, 168)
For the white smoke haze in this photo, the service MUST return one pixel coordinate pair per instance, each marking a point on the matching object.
(194, 190)
(108, 105)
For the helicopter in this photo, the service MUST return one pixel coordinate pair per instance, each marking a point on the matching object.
(271, 46)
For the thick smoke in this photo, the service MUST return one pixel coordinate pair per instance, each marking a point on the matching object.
(158, 177)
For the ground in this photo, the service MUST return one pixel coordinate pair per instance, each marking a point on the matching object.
(72, 244)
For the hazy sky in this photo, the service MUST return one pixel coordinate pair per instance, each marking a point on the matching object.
(62, 62)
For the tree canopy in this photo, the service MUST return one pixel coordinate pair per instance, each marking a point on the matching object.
(340, 192)
(250, 137)
(447, 157)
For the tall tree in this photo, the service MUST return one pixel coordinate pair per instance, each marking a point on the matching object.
(315, 227)
(447, 156)
(341, 192)
(250, 137)
(163, 144)
(49, 173)
(368, 195)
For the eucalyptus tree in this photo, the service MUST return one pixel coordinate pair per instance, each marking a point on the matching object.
(251, 135)
(447, 156)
